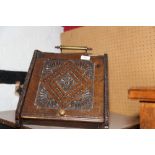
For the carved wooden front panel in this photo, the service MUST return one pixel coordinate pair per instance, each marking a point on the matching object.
(63, 90)
(66, 84)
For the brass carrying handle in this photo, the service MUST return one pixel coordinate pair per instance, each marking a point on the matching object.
(62, 47)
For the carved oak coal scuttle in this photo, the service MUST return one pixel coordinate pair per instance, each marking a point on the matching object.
(63, 90)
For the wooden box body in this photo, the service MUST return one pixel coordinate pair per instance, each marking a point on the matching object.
(63, 90)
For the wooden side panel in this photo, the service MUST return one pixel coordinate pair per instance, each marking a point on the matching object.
(106, 92)
(26, 83)
(147, 116)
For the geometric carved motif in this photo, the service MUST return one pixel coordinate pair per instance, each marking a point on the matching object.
(66, 84)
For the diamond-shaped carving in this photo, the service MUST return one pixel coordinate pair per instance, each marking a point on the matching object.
(67, 83)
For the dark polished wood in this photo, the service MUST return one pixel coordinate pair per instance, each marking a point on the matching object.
(146, 97)
(91, 76)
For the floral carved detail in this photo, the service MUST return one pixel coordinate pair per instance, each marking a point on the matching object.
(66, 84)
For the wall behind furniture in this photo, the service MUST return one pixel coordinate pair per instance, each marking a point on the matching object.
(17, 44)
(131, 52)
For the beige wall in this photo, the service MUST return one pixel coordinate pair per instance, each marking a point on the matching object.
(131, 52)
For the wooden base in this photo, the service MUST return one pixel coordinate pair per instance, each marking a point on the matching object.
(117, 121)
